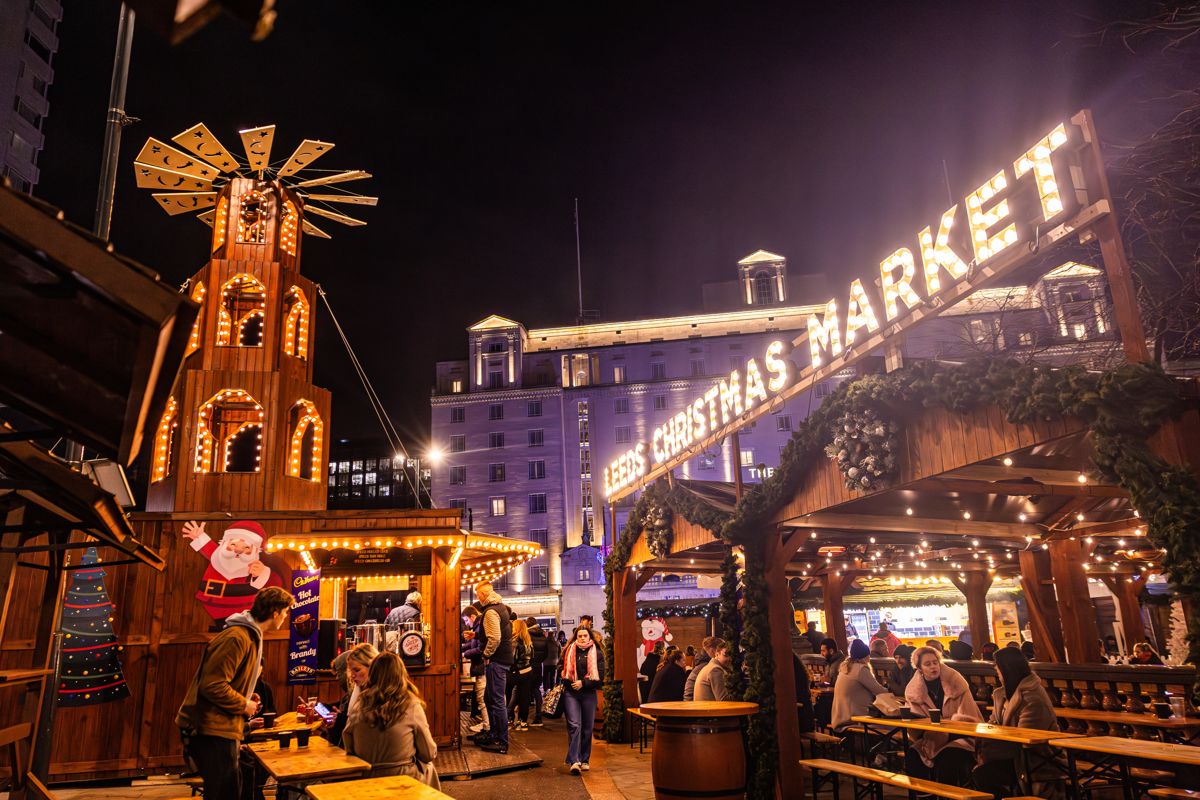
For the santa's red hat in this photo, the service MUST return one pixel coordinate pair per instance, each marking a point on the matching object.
(251, 531)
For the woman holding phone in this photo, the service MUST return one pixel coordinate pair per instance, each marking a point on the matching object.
(389, 729)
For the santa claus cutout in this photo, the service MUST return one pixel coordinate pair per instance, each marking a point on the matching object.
(235, 570)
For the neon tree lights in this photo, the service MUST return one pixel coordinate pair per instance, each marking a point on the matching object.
(306, 466)
(163, 440)
(230, 414)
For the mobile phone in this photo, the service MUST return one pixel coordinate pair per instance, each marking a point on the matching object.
(325, 712)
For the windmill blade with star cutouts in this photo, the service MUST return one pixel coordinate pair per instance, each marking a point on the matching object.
(191, 175)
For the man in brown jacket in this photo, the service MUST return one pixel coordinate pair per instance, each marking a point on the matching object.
(221, 695)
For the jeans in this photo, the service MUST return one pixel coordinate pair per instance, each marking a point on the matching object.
(580, 710)
(497, 711)
(481, 699)
(217, 761)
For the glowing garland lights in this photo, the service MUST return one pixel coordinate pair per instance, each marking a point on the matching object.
(220, 223)
(198, 293)
(252, 218)
(287, 229)
(311, 418)
(295, 334)
(206, 439)
(162, 441)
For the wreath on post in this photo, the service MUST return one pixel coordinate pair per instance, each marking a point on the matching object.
(864, 447)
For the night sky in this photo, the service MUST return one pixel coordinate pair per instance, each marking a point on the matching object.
(692, 133)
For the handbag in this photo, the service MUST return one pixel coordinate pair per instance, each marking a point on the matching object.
(552, 703)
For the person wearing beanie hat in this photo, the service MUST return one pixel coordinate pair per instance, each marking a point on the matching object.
(901, 674)
(235, 570)
(856, 687)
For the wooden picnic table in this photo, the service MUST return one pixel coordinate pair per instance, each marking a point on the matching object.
(15, 676)
(319, 761)
(1170, 728)
(284, 723)
(397, 787)
(1025, 737)
(1111, 756)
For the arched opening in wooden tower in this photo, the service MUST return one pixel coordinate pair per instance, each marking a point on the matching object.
(288, 227)
(198, 292)
(164, 442)
(229, 433)
(304, 454)
(220, 223)
(295, 325)
(252, 218)
(243, 308)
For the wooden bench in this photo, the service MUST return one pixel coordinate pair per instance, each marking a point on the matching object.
(644, 722)
(867, 780)
(1175, 794)
(819, 743)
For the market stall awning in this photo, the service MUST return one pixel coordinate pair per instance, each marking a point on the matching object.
(90, 342)
(42, 493)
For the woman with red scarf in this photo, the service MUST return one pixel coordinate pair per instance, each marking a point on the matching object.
(583, 674)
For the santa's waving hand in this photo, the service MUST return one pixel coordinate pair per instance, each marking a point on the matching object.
(235, 571)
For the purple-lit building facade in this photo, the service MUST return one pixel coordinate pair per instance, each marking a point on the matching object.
(530, 418)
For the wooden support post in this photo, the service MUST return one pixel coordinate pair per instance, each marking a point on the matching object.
(45, 650)
(975, 588)
(1127, 593)
(779, 551)
(628, 635)
(1042, 606)
(8, 562)
(835, 619)
(736, 442)
(1081, 635)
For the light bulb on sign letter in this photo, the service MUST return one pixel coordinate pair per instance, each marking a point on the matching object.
(898, 288)
(825, 333)
(1038, 160)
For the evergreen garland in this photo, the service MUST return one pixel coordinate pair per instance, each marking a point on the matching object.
(731, 621)
(658, 530)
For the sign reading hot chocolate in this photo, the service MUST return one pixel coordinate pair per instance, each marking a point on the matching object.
(302, 652)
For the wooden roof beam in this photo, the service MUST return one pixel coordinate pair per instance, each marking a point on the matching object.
(1014, 487)
(916, 525)
(1050, 477)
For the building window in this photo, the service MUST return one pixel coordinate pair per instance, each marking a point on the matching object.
(585, 575)
(498, 507)
(496, 411)
(697, 367)
(496, 440)
(495, 347)
(537, 470)
(35, 44)
(356, 466)
(539, 577)
(658, 371)
(456, 386)
(537, 503)
(583, 409)
(495, 473)
(783, 422)
(585, 494)
(495, 379)
(584, 433)
(540, 537)
(458, 476)
(370, 478)
(747, 457)
(458, 414)
(708, 461)
(764, 294)
(623, 434)
(660, 402)
(585, 461)
(536, 437)
(533, 408)
(736, 363)
(621, 405)
(619, 373)
(458, 502)
(1025, 338)
(356, 479)
(458, 443)
(822, 389)
(28, 114)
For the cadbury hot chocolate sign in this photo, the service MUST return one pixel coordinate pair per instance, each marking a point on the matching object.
(302, 653)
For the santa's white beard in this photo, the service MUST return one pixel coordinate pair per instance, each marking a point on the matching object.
(230, 564)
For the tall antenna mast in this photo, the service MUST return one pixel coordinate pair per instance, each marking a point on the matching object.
(578, 262)
(946, 175)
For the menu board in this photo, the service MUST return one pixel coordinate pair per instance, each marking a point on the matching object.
(379, 561)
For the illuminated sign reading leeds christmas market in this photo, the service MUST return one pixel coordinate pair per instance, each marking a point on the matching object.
(1027, 205)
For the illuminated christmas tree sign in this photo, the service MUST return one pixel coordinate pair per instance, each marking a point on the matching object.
(91, 663)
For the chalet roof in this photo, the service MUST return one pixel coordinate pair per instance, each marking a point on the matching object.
(760, 257)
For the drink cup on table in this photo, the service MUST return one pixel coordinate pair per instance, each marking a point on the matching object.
(268, 719)
(935, 715)
(285, 740)
(302, 737)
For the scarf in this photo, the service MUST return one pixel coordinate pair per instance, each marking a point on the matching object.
(569, 669)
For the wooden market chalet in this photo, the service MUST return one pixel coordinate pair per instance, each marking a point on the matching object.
(238, 432)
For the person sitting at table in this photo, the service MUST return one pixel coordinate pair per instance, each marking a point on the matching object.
(961, 651)
(340, 665)
(388, 728)
(1143, 653)
(702, 658)
(833, 659)
(804, 703)
(1026, 648)
(1020, 701)
(902, 672)
(358, 665)
(254, 775)
(938, 756)
(988, 651)
(649, 669)
(936, 645)
(669, 680)
(879, 648)
(856, 687)
(714, 678)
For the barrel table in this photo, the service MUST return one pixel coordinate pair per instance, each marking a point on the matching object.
(698, 749)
